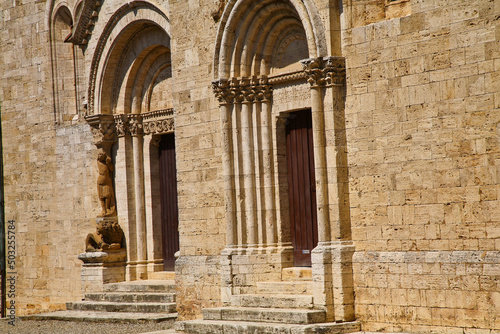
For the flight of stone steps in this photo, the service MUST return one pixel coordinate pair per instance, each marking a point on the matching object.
(145, 301)
(284, 307)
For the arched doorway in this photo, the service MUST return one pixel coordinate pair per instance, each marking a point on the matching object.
(272, 66)
(131, 79)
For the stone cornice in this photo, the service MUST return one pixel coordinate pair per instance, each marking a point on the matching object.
(85, 22)
(287, 77)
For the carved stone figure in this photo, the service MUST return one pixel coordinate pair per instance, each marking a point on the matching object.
(108, 236)
(105, 185)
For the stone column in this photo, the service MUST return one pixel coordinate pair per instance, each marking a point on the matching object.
(225, 97)
(136, 130)
(265, 96)
(314, 71)
(247, 135)
(332, 258)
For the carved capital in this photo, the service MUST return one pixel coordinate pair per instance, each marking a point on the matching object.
(335, 71)
(135, 124)
(242, 90)
(328, 71)
(222, 91)
(121, 125)
(265, 92)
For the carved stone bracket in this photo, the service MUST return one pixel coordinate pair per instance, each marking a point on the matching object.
(103, 128)
(242, 90)
(321, 72)
(85, 22)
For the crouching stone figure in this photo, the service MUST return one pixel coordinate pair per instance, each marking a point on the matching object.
(108, 236)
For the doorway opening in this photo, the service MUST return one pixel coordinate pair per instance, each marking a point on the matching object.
(168, 198)
(301, 186)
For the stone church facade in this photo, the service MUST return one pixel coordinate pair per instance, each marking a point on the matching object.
(358, 138)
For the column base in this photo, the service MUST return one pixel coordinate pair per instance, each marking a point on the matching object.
(333, 288)
(101, 268)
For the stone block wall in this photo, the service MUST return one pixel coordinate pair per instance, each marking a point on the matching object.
(198, 154)
(49, 178)
(422, 115)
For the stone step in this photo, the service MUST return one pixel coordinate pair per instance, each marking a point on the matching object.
(141, 286)
(161, 275)
(296, 274)
(220, 327)
(287, 316)
(122, 307)
(131, 297)
(108, 317)
(273, 301)
(283, 288)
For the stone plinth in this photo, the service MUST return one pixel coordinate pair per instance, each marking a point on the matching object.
(101, 268)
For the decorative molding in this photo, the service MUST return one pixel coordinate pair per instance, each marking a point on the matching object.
(287, 77)
(85, 22)
(159, 122)
(103, 38)
(328, 71)
(154, 122)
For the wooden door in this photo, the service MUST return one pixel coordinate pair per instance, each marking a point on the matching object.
(168, 198)
(301, 186)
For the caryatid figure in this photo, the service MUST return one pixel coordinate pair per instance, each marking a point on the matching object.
(105, 185)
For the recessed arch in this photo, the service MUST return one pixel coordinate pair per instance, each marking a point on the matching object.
(63, 64)
(116, 38)
(236, 51)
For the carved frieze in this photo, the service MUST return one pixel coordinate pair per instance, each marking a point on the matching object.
(154, 122)
(158, 122)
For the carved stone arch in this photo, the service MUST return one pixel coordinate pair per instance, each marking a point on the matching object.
(125, 21)
(258, 92)
(307, 14)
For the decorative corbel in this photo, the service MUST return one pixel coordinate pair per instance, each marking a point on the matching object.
(103, 128)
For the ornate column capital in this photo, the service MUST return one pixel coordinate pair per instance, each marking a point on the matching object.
(222, 91)
(121, 125)
(242, 90)
(327, 71)
(135, 124)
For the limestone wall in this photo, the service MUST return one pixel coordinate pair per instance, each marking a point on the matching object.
(198, 149)
(422, 116)
(49, 170)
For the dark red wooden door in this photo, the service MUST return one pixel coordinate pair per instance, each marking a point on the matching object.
(301, 186)
(168, 193)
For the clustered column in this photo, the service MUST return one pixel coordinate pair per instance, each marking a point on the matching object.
(245, 106)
